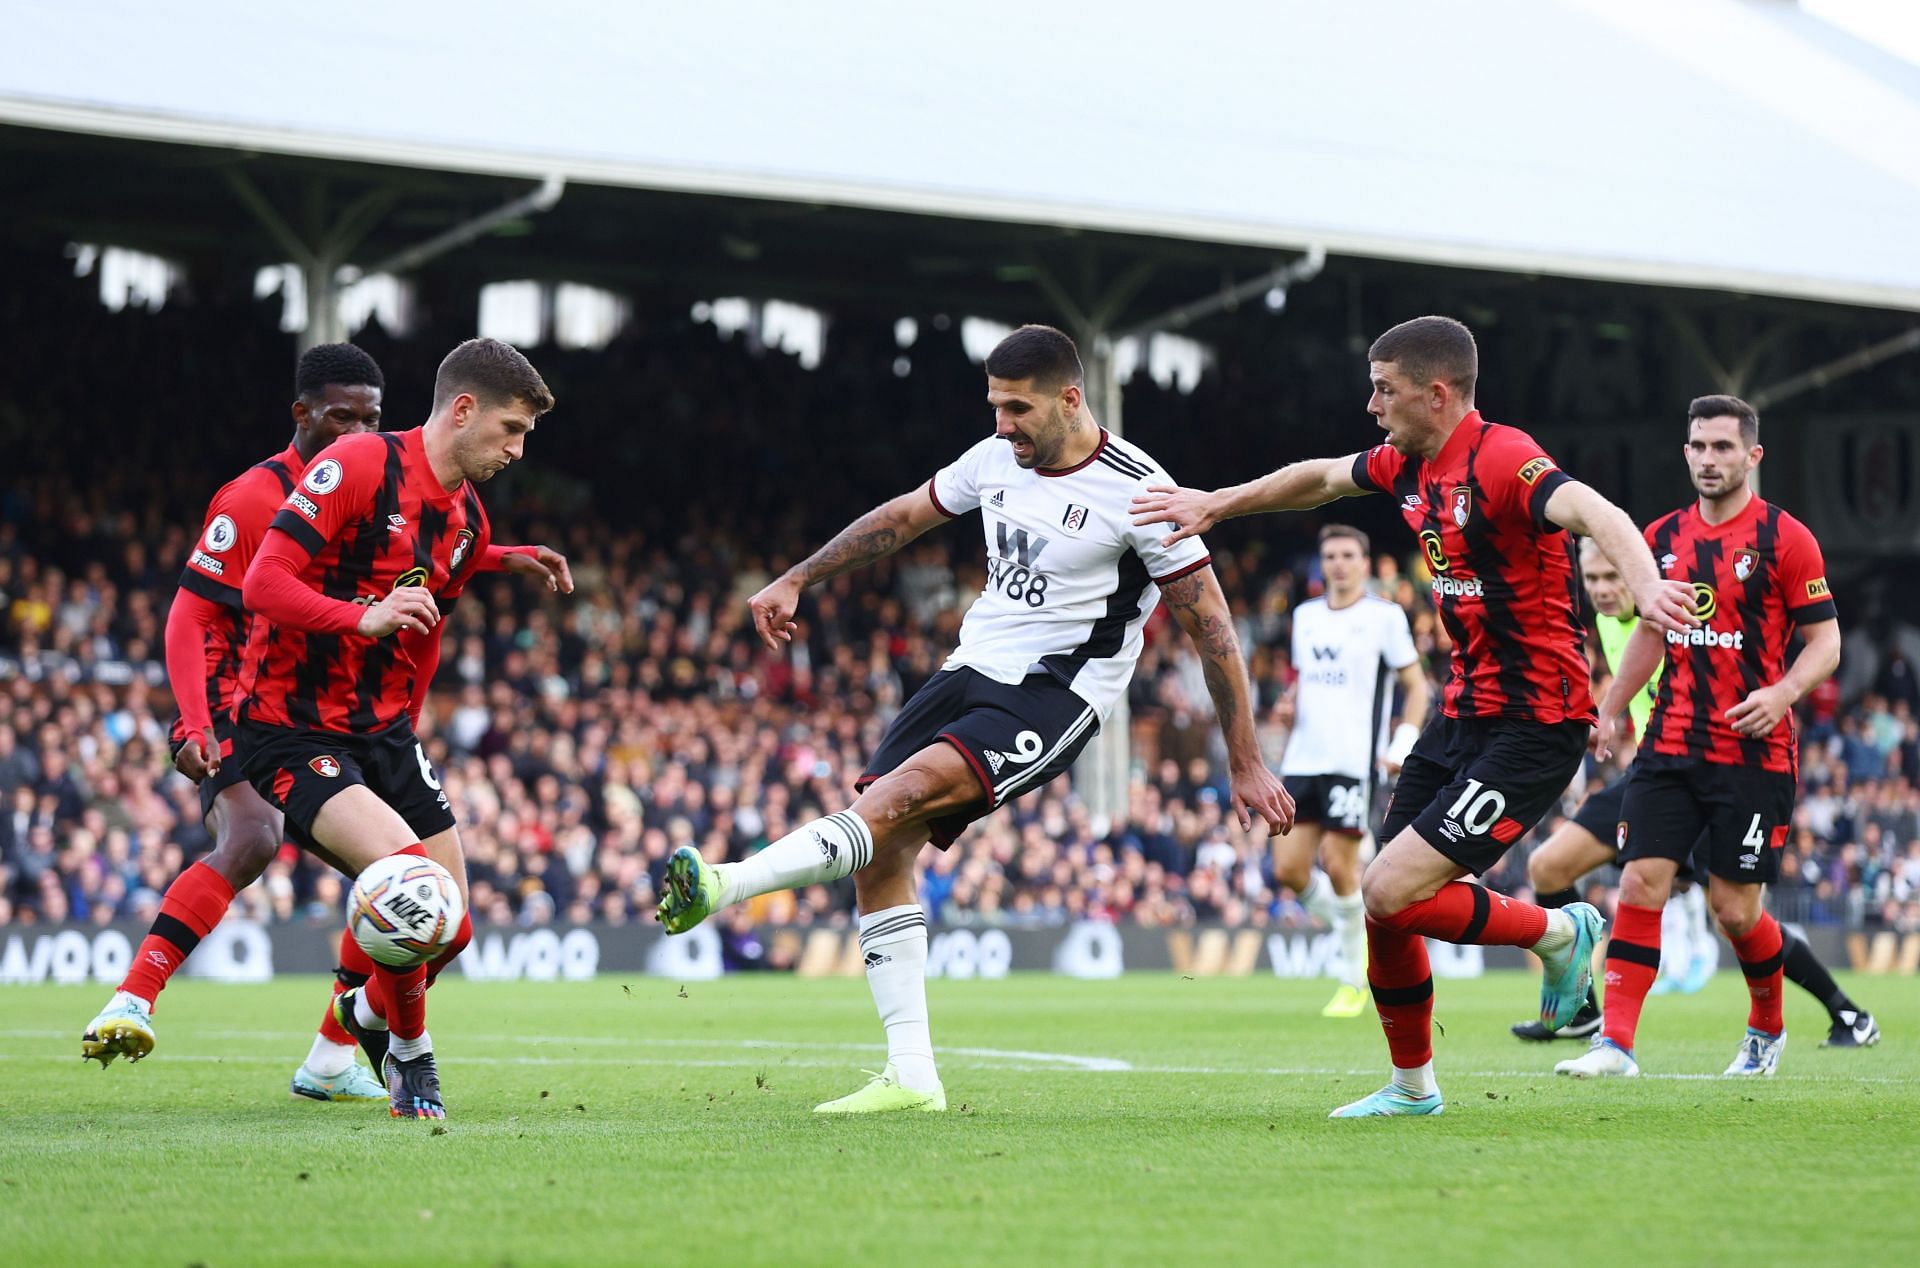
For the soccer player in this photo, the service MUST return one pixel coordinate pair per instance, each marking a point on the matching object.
(337, 391)
(373, 546)
(1720, 754)
(1488, 506)
(1044, 653)
(1590, 840)
(1348, 647)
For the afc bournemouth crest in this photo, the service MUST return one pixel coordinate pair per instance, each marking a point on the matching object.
(462, 547)
(1075, 519)
(327, 766)
(1461, 500)
(1744, 563)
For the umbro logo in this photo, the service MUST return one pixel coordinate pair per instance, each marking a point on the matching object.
(1411, 502)
(396, 523)
(999, 498)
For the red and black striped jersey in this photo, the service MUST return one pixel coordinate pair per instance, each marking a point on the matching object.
(1755, 577)
(1503, 582)
(370, 516)
(236, 520)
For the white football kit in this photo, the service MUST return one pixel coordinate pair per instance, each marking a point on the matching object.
(1345, 659)
(1070, 580)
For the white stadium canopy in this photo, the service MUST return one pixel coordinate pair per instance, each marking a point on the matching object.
(1736, 144)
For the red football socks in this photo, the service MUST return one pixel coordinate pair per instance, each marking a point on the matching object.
(461, 938)
(1633, 960)
(1402, 983)
(1470, 914)
(354, 963)
(193, 905)
(1762, 956)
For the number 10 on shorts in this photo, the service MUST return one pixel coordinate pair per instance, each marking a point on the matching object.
(1478, 808)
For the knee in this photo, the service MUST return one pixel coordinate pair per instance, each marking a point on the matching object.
(243, 852)
(1736, 915)
(1636, 890)
(900, 796)
(1543, 875)
(1382, 895)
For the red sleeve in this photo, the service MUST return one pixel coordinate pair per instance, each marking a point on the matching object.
(337, 490)
(1803, 575)
(1377, 468)
(1518, 476)
(426, 660)
(494, 558)
(189, 622)
(274, 590)
(236, 520)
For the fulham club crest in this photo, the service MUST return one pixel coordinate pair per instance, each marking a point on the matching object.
(327, 766)
(1462, 501)
(1620, 835)
(1074, 520)
(1743, 564)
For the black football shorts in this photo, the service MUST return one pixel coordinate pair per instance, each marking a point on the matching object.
(1338, 803)
(300, 770)
(1015, 736)
(1744, 813)
(1474, 786)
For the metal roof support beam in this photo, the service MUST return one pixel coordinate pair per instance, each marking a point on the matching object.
(532, 203)
(1839, 368)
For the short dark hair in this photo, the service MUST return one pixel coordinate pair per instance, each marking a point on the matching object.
(1727, 407)
(1429, 348)
(493, 373)
(1040, 353)
(1334, 531)
(335, 365)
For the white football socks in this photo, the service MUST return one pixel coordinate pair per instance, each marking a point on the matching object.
(363, 1013)
(408, 1049)
(1318, 898)
(1350, 925)
(824, 850)
(1418, 1081)
(328, 1058)
(1559, 932)
(894, 943)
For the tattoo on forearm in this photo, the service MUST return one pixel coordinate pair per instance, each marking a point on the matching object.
(868, 538)
(1219, 647)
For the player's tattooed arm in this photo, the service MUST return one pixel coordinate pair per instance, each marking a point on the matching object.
(1297, 487)
(1199, 606)
(875, 535)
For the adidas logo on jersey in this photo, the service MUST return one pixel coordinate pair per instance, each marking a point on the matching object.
(999, 498)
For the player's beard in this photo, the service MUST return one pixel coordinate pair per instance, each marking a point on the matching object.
(1050, 440)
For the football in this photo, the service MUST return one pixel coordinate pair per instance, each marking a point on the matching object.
(404, 910)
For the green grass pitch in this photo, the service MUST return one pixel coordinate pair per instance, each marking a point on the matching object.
(1146, 1120)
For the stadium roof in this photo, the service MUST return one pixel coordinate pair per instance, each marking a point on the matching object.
(1731, 144)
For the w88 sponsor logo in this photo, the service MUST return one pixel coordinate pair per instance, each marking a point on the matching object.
(1023, 585)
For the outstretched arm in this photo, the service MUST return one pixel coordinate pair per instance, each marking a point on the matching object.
(1667, 605)
(875, 535)
(1201, 609)
(1297, 487)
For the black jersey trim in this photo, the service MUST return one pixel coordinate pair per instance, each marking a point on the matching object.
(1080, 465)
(295, 525)
(192, 579)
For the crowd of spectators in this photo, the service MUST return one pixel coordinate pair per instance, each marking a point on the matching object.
(584, 738)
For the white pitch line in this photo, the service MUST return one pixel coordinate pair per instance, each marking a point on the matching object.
(987, 1059)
